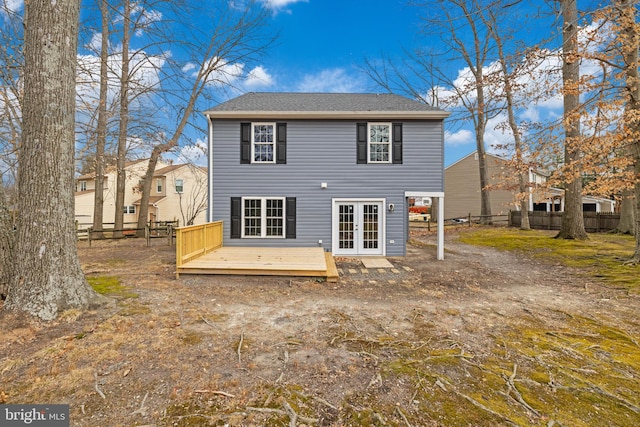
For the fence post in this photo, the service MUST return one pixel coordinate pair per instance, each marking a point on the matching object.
(469, 219)
(147, 235)
(89, 235)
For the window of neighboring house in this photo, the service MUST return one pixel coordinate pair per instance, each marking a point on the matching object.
(179, 185)
(130, 209)
(379, 143)
(82, 185)
(159, 185)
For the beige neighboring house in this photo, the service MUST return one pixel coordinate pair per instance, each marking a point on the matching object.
(462, 190)
(178, 192)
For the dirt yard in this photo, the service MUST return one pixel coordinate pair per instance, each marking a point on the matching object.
(483, 338)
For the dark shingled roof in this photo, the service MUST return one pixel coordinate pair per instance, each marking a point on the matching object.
(323, 104)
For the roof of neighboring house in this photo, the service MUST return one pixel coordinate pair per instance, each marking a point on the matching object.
(108, 169)
(152, 200)
(167, 169)
(324, 105)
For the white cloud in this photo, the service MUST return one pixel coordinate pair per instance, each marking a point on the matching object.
(258, 77)
(279, 5)
(461, 137)
(335, 80)
(196, 153)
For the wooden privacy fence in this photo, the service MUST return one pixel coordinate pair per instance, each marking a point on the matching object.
(196, 240)
(593, 221)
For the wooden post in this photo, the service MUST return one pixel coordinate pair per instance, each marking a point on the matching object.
(147, 235)
(469, 219)
(89, 235)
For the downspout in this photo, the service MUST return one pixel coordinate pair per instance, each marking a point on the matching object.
(210, 170)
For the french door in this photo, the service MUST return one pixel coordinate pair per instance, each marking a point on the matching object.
(358, 227)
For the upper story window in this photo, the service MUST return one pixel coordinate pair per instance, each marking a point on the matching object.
(263, 143)
(159, 185)
(379, 142)
(82, 186)
(179, 183)
(130, 209)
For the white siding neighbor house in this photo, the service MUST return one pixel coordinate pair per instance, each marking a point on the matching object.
(178, 192)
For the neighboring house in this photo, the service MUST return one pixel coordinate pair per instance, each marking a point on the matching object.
(178, 192)
(462, 187)
(318, 169)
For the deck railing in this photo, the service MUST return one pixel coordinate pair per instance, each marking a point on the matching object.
(196, 240)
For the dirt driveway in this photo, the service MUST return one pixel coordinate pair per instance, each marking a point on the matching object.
(482, 338)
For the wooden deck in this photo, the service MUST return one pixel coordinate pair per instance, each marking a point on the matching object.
(309, 262)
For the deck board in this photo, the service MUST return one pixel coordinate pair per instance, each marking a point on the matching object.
(263, 261)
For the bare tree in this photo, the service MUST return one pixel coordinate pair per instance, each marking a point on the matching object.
(506, 79)
(47, 277)
(465, 38)
(238, 37)
(6, 244)
(573, 220)
(101, 131)
(123, 124)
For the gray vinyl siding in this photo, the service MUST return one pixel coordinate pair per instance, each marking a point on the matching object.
(325, 151)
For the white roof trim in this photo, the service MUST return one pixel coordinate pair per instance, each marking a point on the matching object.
(369, 115)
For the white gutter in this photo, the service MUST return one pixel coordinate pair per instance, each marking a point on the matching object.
(369, 115)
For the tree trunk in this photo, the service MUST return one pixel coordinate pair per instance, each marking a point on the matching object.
(627, 213)
(124, 123)
(47, 277)
(630, 43)
(6, 243)
(101, 142)
(573, 220)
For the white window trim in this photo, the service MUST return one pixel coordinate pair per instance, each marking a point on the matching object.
(263, 217)
(159, 185)
(390, 143)
(83, 185)
(175, 185)
(129, 208)
(253, 141)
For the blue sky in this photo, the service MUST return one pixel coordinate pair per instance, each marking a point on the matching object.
(323, 45)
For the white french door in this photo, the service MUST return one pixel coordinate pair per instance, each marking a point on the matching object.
(358, 227)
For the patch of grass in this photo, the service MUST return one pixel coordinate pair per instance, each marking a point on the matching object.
(601, 256)
(111, 286)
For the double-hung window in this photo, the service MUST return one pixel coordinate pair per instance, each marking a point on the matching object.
(179, 183)
(159, 185)
(129, 209)
(263, 142)
(263, 217)
(83, 185)
(379, 142)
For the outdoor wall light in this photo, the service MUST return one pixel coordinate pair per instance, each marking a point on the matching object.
(391, 207)
(323, 185)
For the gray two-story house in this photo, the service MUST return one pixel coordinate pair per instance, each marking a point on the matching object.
(323, 169)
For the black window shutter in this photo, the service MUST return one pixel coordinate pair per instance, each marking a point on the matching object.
(245, 143)
(281, 143)
(361, 140)
(291, 218)
(397, 143)
(236, 217)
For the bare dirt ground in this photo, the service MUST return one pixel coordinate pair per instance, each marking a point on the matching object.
(482, 338)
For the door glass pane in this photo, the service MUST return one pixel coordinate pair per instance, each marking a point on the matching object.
(370, 226)
(346, 224)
